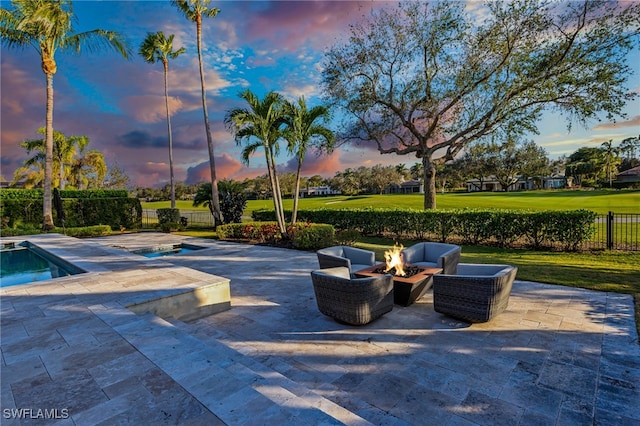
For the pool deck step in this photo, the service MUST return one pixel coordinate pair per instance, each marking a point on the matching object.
(233, 386)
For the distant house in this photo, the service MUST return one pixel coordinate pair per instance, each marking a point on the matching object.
(490, 183)
(318, 191)
(631, 175)
(407, 187)
(6, 185)
(555, 181)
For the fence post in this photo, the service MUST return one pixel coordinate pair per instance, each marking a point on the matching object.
(610, 231)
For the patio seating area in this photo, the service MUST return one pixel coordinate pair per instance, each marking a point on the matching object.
(556, 355)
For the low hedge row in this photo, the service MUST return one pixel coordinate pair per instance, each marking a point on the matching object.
(302, 236)
(88, 231)
(505, 228)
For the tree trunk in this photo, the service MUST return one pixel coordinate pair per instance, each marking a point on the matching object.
(217, 215)
(47, 212)
(165, 63)
(429, 183)
(273, 179)
(278, 195)
(294, 214)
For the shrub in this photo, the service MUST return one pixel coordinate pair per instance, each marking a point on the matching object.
(170, 227)
(311, 236)
(506, 228)
(87, 231)
(232, 205)
(348, 237)
(304, 236)
(168, 215)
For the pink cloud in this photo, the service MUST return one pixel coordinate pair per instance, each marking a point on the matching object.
(323, 165)
(150, 108)
(227, 167)
(632, 122)
(290, 24)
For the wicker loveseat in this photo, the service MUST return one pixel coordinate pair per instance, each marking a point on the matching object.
(355, 301)
(435, 255)
(349, 257)
(477, 293)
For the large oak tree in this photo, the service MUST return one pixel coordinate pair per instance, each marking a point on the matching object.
(428, 78)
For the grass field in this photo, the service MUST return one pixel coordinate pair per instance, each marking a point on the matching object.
(599, 201)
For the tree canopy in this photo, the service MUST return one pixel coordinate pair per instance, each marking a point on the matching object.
(428, 78)
(71, 163)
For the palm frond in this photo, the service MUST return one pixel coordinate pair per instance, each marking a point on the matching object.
(96, 40)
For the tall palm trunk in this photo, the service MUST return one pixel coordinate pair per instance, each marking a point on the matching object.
(282, 220)
(47, 209)
(294, 215)
(217, 216)
(165, 63)
(275, 186)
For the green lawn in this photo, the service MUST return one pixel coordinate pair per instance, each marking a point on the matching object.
(599, 201)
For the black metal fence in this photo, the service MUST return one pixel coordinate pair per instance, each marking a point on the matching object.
(613, 231)
(194, 218)
(616, 231)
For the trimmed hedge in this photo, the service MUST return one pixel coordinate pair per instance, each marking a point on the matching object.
(303, 236)
(28, 194)
(89, 231)
(20, 207)
(505, 228)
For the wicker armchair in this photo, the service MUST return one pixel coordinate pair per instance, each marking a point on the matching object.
(349, 257)
(356, 301)
(435, 255)
(476, 294)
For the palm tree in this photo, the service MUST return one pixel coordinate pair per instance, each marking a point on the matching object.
(64, 150)
(260, 126)
(70, 163)
(156, 47)
(302, 127)
(88, 170)
(194, 10)
(611, 159)
(47, 26)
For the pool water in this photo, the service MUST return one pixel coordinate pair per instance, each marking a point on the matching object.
(167, 250)
(23, 263)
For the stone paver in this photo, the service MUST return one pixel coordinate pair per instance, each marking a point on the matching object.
(556, 356)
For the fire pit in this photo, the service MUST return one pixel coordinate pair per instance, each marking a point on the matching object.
(409, 282)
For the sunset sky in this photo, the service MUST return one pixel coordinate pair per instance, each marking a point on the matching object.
(260, 45)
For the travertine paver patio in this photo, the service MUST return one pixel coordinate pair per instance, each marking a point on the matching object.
(556, 356)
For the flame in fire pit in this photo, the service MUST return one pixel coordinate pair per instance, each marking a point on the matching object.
(393, 259)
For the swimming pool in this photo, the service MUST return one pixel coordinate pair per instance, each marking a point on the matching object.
(22, 263)
(167, 250)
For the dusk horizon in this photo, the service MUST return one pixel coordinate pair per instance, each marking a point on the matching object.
(257, 45)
